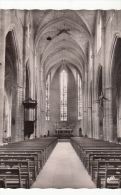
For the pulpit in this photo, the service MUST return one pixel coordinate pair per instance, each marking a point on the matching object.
(29, 116)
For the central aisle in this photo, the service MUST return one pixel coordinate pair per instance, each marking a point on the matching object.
(63, 169)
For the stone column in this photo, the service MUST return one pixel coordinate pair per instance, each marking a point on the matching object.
(18, 133)
(85, 104)
(25, 48)
(83, 108)
(44, 130)
(118, 130)
(39, 106)
(90, 133)
(104, 75)
(97, 119)
(2, 70)
(93, 79)
(108, 131)
(25, 53)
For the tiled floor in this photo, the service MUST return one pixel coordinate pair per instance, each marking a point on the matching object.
(63, 170)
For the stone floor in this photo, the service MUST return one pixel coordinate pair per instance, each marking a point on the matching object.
(63, 169)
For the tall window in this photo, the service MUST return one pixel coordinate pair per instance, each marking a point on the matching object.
(48, 98)
(99, 33)
(79, 98)
(63, 96)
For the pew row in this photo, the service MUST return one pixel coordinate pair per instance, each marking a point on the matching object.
(28, 157)
(98, 157)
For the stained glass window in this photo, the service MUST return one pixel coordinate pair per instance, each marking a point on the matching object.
(63, 96)
(48, 98)
(79, 98)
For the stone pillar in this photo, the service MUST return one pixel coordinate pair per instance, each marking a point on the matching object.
(83, 108)
(25, 48)
(86, 104)
(85, 101)
(39, 106)
(90, 133)
(93, 79)
(108, 130)
(26, 40)
(104, 75)
(118, 130)
(44, 130)
(97, 119)
(18, 130)
(2, 70)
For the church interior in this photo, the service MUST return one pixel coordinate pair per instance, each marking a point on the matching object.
(60, 75)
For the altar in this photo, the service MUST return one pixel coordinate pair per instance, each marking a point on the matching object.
(63, 133)
(63, 130)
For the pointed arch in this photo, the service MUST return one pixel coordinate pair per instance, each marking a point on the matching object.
(116, 36)
(115, 78)
(11, 81)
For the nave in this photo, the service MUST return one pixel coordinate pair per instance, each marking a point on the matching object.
(63, 169)
(60, 77)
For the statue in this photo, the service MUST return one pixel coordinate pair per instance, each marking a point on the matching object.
(101, 98)
(100, 101)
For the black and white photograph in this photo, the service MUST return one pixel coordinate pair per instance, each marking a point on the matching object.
(60, 97)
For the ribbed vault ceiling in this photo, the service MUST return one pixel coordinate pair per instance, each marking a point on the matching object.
(69, 33)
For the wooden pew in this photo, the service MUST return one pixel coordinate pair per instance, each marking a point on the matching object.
(26, 151)
(3, 183)
(101, 156)
(99, 148)
(12, 177)
(24, 170)
(38, 149)
(83, 144)
(113, 178)
(91, 151)
(44, 147)
(32, 166)
(93, 166)
(16, 153)
(99, 175)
